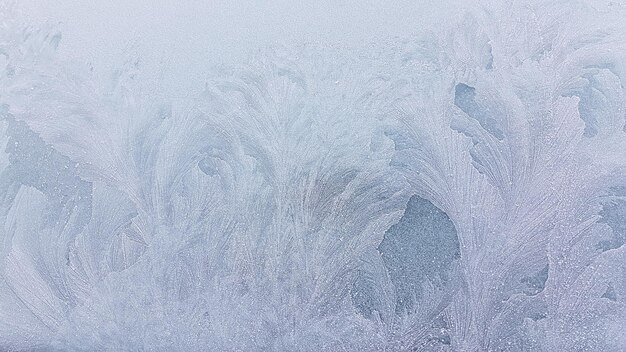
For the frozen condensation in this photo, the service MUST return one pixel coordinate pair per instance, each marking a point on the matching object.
(459, 189)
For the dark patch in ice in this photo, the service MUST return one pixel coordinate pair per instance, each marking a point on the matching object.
(35, 164)
(610, 293)
(614, 215)
(489, 65)
(589, 99)
(537, 282)
(421, 246)
(465, 99)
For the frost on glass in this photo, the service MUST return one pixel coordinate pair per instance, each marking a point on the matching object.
(461, 190)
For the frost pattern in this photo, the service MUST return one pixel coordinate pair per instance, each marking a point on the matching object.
(464, 190)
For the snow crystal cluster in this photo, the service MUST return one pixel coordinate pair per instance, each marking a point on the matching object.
(459, 190)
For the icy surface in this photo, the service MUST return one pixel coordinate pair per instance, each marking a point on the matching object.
(460, 189)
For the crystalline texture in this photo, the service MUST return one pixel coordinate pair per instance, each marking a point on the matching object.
(462, 190)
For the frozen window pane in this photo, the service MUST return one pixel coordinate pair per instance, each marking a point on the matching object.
(313, 175)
